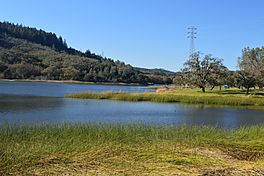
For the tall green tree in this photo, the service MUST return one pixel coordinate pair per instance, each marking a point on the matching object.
(201, 71)
(245, 79)
(251, 63)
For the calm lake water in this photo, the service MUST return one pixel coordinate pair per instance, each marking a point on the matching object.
(32, 102)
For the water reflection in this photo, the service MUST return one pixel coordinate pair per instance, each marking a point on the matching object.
(10, 103)
(35, 109)
(60, 89)
(219, 116)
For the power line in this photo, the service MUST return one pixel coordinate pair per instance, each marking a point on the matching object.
(192, 31)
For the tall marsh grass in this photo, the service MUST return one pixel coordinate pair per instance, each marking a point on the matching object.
(180, 97)
(51, 149)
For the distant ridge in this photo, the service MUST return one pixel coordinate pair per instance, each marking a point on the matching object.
(41, 37)
(30, 53)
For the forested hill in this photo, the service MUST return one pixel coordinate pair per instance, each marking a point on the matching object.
(41, 37)
(29, 53)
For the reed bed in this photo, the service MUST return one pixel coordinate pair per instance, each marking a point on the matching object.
(190, 97)
(132, 149)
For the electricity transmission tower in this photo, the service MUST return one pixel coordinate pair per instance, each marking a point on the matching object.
(192, 35)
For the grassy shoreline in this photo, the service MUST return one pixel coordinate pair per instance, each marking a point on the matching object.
(182, 96)
(115, 149)
(72, 82)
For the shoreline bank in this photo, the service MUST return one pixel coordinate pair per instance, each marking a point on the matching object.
(74, 82)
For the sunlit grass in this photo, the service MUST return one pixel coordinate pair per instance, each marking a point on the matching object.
(230, 98)
(116, 149)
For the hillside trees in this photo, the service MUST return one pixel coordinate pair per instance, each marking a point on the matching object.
(34, 35)
(29, 53)
(21, 71)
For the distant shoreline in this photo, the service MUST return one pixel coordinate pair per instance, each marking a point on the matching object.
(74, 82)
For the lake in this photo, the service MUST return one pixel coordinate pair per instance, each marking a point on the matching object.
(38, 102)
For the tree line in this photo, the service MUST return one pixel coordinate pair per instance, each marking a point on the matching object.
(42, 37)
(208, 71)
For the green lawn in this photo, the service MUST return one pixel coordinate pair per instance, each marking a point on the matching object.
(115, 149)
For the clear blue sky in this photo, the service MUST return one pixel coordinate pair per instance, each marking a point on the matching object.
(146, 33)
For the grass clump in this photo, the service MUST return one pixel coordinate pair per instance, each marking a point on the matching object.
(181, 96)
(115, 149)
